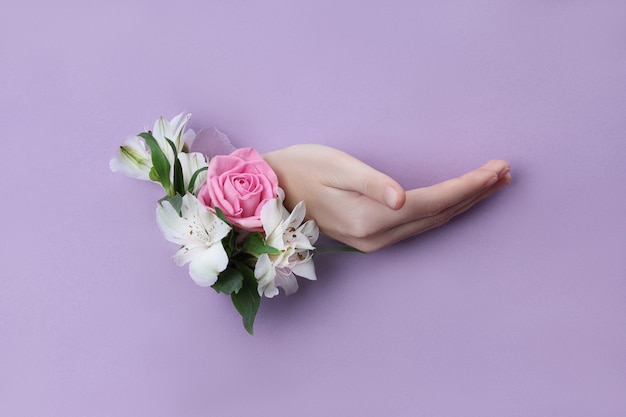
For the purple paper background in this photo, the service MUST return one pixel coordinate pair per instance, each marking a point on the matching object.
(516, 308)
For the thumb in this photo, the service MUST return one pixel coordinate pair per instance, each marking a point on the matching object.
(357, 176)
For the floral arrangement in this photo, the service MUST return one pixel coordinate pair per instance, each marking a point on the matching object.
(226, 213)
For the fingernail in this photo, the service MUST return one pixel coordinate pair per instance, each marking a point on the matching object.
(391, 197)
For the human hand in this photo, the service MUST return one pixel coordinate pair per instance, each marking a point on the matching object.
(366, 209)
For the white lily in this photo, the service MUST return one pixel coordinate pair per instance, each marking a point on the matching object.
(285, 232)
(133, 159)
(200, 233)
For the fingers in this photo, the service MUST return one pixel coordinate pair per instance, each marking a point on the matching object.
(429, 201)
(422, 225)
(408, 228)
(354, 175)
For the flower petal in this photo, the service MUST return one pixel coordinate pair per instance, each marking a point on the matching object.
(188, 253)
(187, 138)
(170, 222)
(271, 215)
(297, 215)
(310, 230)
(174, 130)
(287, 282)
(265, 273)
(305, 269)
(132, 159)
(190, 163)
(205, 267)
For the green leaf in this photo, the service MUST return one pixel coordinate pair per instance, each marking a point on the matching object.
(176, 201)
(172, 145)
(231, 240)
(154, 176)
(179, 182)
(247, 299)
(192, 181)
(230, 243)
(256, 245)
(160, 164)
(228, 281)
(222, 216)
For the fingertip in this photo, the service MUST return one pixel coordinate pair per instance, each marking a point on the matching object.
(499, 166)
(506, 170)
(394, 198)
(401, 200)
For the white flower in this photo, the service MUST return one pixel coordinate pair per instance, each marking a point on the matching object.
(200, 233)
(190, 163)
(133, 159)
(285, 232)
(174, 130)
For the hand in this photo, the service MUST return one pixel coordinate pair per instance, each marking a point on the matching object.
(366, 209)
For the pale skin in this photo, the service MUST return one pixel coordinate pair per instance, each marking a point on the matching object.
(368, 210)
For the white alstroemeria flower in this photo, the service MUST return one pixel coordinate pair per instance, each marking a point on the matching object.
(133, 159)
(190, 163)
(173, 130)
(285, 232)
(199, 232)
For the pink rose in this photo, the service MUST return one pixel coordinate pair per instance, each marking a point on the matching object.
(239, 184)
